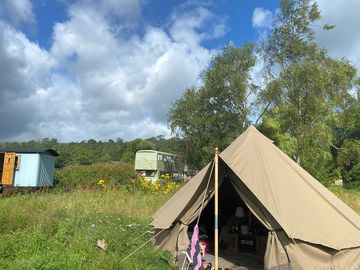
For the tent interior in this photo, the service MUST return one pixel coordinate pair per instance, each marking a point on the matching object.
(242, 238)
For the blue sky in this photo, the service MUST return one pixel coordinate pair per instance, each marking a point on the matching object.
(104, 69)
(236, 13)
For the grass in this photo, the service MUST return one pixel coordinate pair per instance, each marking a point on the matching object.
(59, 230)
(350, 196)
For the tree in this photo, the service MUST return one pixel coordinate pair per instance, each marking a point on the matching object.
(348, 140)
(82, 156)
(92, 151)
(216, 112)
(306, 88)
(348, 127)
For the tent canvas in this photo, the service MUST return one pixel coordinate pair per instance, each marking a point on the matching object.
(308, 227)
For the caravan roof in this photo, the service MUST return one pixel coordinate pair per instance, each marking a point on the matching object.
(154, 151)
(48, 151)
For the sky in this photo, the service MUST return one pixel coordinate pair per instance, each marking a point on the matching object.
(106, 69)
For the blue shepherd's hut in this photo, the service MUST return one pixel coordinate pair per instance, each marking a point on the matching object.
(27, 167)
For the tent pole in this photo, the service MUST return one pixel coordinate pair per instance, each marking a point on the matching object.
(216, 228)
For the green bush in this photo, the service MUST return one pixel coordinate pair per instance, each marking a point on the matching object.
(88, 176)
(354, 176)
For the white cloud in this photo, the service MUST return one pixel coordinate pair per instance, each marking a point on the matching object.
(344, 39)
(24, 70)
(122, 8)
(262, 18)
(20, 11)
(100, 84)
(197, 25)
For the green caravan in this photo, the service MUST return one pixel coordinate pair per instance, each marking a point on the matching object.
(152, 164)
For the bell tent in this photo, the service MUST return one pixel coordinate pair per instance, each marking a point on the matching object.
(306, 226)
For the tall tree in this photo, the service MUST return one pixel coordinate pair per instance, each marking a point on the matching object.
(306, 87)
(216, 112)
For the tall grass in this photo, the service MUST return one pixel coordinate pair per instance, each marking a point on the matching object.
(350, 196)
(87, 176)
(60, 230)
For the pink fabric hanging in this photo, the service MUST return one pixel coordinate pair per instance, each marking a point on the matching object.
(195, 249)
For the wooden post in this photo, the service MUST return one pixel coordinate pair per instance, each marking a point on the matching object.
(216, 225)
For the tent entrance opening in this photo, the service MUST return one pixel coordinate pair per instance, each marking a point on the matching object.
(242, 238)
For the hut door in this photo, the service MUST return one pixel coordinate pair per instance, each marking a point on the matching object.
(8, 169)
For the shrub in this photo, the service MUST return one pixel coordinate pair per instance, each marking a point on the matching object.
(354, 176)
(164, 185)
(88, 176)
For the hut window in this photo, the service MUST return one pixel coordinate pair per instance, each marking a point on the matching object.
(17, 162)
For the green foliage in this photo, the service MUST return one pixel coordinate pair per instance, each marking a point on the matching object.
(287, 143)
(292, 37)
(306, 88)
(349, 159)
(347, 137)
(74, 176)
(328, 27)
(92, 151)
(81, 156)
(215, 113)
(354, 176)
(59, 231)
(348, 122)
(349, 154)
(335, 174)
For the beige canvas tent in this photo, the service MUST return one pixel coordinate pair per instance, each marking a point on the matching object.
(307, 226)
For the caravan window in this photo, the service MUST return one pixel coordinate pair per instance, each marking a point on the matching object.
(17, 162)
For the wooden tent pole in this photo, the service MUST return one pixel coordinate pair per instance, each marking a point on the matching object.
(216, 221)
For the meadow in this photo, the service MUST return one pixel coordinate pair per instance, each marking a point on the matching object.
(59, 229)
